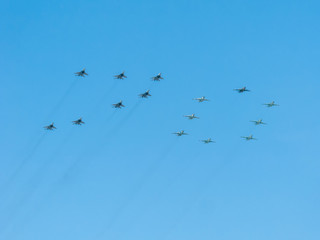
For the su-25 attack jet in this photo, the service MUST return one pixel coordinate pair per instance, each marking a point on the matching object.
(118, 105)
(241, 90)
(258, 122)
(82, 73)
(192, 116)
(157, 78)
(202, 99)
(179, 134)
(272, 104)
(248, 138)
(120, 76)
(206, 141)
(145, 94)
(78, 122)
(50, 127)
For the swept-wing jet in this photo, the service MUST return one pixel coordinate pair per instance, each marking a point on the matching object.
(78, 122)
(120, 76)
(192, 116)
(248, 138)
(202, 99)
(82, 73)
(50, 127)
(180, 133)
(241, 90)
(145, 94)
(157, 78)
(258, 122)
(206, 141)
(272, 104)
(118, 105)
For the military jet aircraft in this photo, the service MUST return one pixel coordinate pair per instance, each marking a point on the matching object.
(157, 78)
(192, 116)
(248, 138)
(202, 99)
(78, 122)
(118, 105)
(206, 141)
(258, 122)
(179, 134)
(120, 76)
(50, 127)
(145, 94)
(241, 90)
(272, 104)
(82, 73)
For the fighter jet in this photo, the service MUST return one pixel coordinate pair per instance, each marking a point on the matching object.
(118, 105)
(82, 73)
(157, 78)
(258, 122)
(248, 138)
(202, 99)
(120, 76)
(78, 122)
(145, 94)
(192, 116)
(241, 90)
(206, 141)
(179, 134)
(272, 104)
(50, 127)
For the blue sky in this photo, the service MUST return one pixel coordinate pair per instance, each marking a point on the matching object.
(123, 175)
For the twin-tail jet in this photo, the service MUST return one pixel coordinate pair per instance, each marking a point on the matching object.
(206, 141)
(120, 76)
(82, 73)
(202, 99)
(179, 134)
(78, 122)
(157, 78)
(192, 116)
(50, 127)
(258, 122)
(145, 94)
(118, 105)
(241, 90)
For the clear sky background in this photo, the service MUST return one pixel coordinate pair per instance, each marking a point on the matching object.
(123, 175)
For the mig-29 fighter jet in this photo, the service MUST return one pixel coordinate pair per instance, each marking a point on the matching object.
(179, 134)
(272, 104)
(50, 127)
(145, 94)
(78, 122)
(241, 90)
(248, 138)
(118, 105)
(82, 73)
(202, 99)
(258, 122)
(120, 76)
(157, 78)
(206, 141)
(192, 116)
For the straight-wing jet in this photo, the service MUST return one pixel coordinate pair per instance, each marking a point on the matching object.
(145, 94)
(157, 78)
(120, 76)
(180, 133)
(192, 116)
(82, 73)
(78, 122)
(50, 127)
(258, 122)
(206, 141)
(118, 105)
(272, 104)
(248, 138)
(202, 99)
(241, 90)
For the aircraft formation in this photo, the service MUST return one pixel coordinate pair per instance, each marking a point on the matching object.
(147, 94)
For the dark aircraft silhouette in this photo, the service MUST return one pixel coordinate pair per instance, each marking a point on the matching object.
(78, 122)
(157, 78)
(179, 134)
(241, 90)
(272, 104)
(50, 127)
(145, 94)
(82, 73)
(118, 105)
(120, 76)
